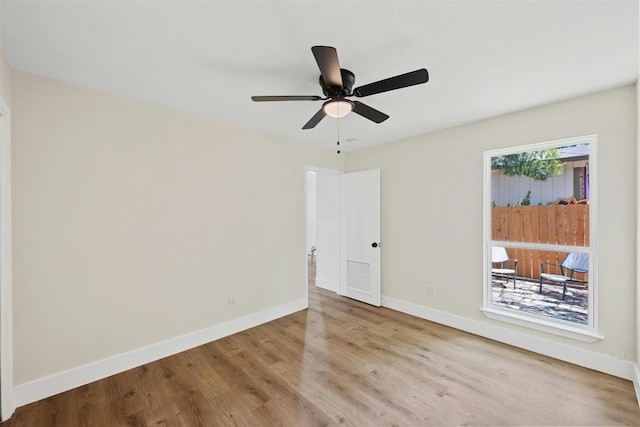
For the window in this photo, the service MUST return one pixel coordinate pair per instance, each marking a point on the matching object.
(540, 257)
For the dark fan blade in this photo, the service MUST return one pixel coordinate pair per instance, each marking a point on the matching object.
(368, 112)
(315, 119)
(403, 80)
(286, 98)
(327, 59)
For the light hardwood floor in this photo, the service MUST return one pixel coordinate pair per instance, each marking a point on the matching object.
(345, 363)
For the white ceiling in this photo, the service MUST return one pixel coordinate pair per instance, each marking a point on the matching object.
(485, 58)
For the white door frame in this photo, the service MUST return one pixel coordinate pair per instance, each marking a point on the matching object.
(6, 288)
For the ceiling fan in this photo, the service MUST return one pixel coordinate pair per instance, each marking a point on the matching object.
(337, 83)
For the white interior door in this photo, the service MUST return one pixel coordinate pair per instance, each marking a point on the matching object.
(360, 236)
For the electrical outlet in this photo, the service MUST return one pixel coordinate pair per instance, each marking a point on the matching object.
(232, 301)
(431, 291)
(619, 354)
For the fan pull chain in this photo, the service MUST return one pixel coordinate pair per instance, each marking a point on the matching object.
(338, 133)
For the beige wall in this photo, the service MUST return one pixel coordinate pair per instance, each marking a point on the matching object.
(431, 208)
(5, 80)
(133, 224)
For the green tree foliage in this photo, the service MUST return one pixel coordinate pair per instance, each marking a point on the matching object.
(538, 165)
(526, 200)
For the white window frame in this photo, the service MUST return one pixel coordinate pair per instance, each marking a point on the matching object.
(587, 333)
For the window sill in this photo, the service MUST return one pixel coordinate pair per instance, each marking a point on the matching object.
(576, 333)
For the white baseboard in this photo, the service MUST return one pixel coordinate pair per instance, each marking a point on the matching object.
(327, 284)
(589, 359)
(63, 381)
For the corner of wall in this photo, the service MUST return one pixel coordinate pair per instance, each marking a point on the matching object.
(636, 380)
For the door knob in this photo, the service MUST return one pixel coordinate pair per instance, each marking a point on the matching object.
(375, 245)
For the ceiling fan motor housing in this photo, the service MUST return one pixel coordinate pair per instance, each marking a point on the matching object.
(348, 79)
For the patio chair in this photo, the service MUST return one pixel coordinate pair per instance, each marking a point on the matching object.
(499, 256)
(563, 273)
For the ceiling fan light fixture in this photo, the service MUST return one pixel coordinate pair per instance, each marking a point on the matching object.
(337, 108)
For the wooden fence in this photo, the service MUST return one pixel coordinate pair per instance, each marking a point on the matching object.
(552, 224)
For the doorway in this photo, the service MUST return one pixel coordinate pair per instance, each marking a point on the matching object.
(343, 233)
(322, 227)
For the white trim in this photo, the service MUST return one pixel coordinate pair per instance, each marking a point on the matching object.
(581, 357)
(543, 145)
(548, 326)
(63, 381)
(7, 403)
(308, 168)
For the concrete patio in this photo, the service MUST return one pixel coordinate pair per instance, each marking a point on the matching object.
(525, 297)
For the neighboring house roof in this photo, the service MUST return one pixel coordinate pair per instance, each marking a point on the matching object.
(574, 153)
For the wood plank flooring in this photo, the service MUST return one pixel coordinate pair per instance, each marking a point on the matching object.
(345, 363)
